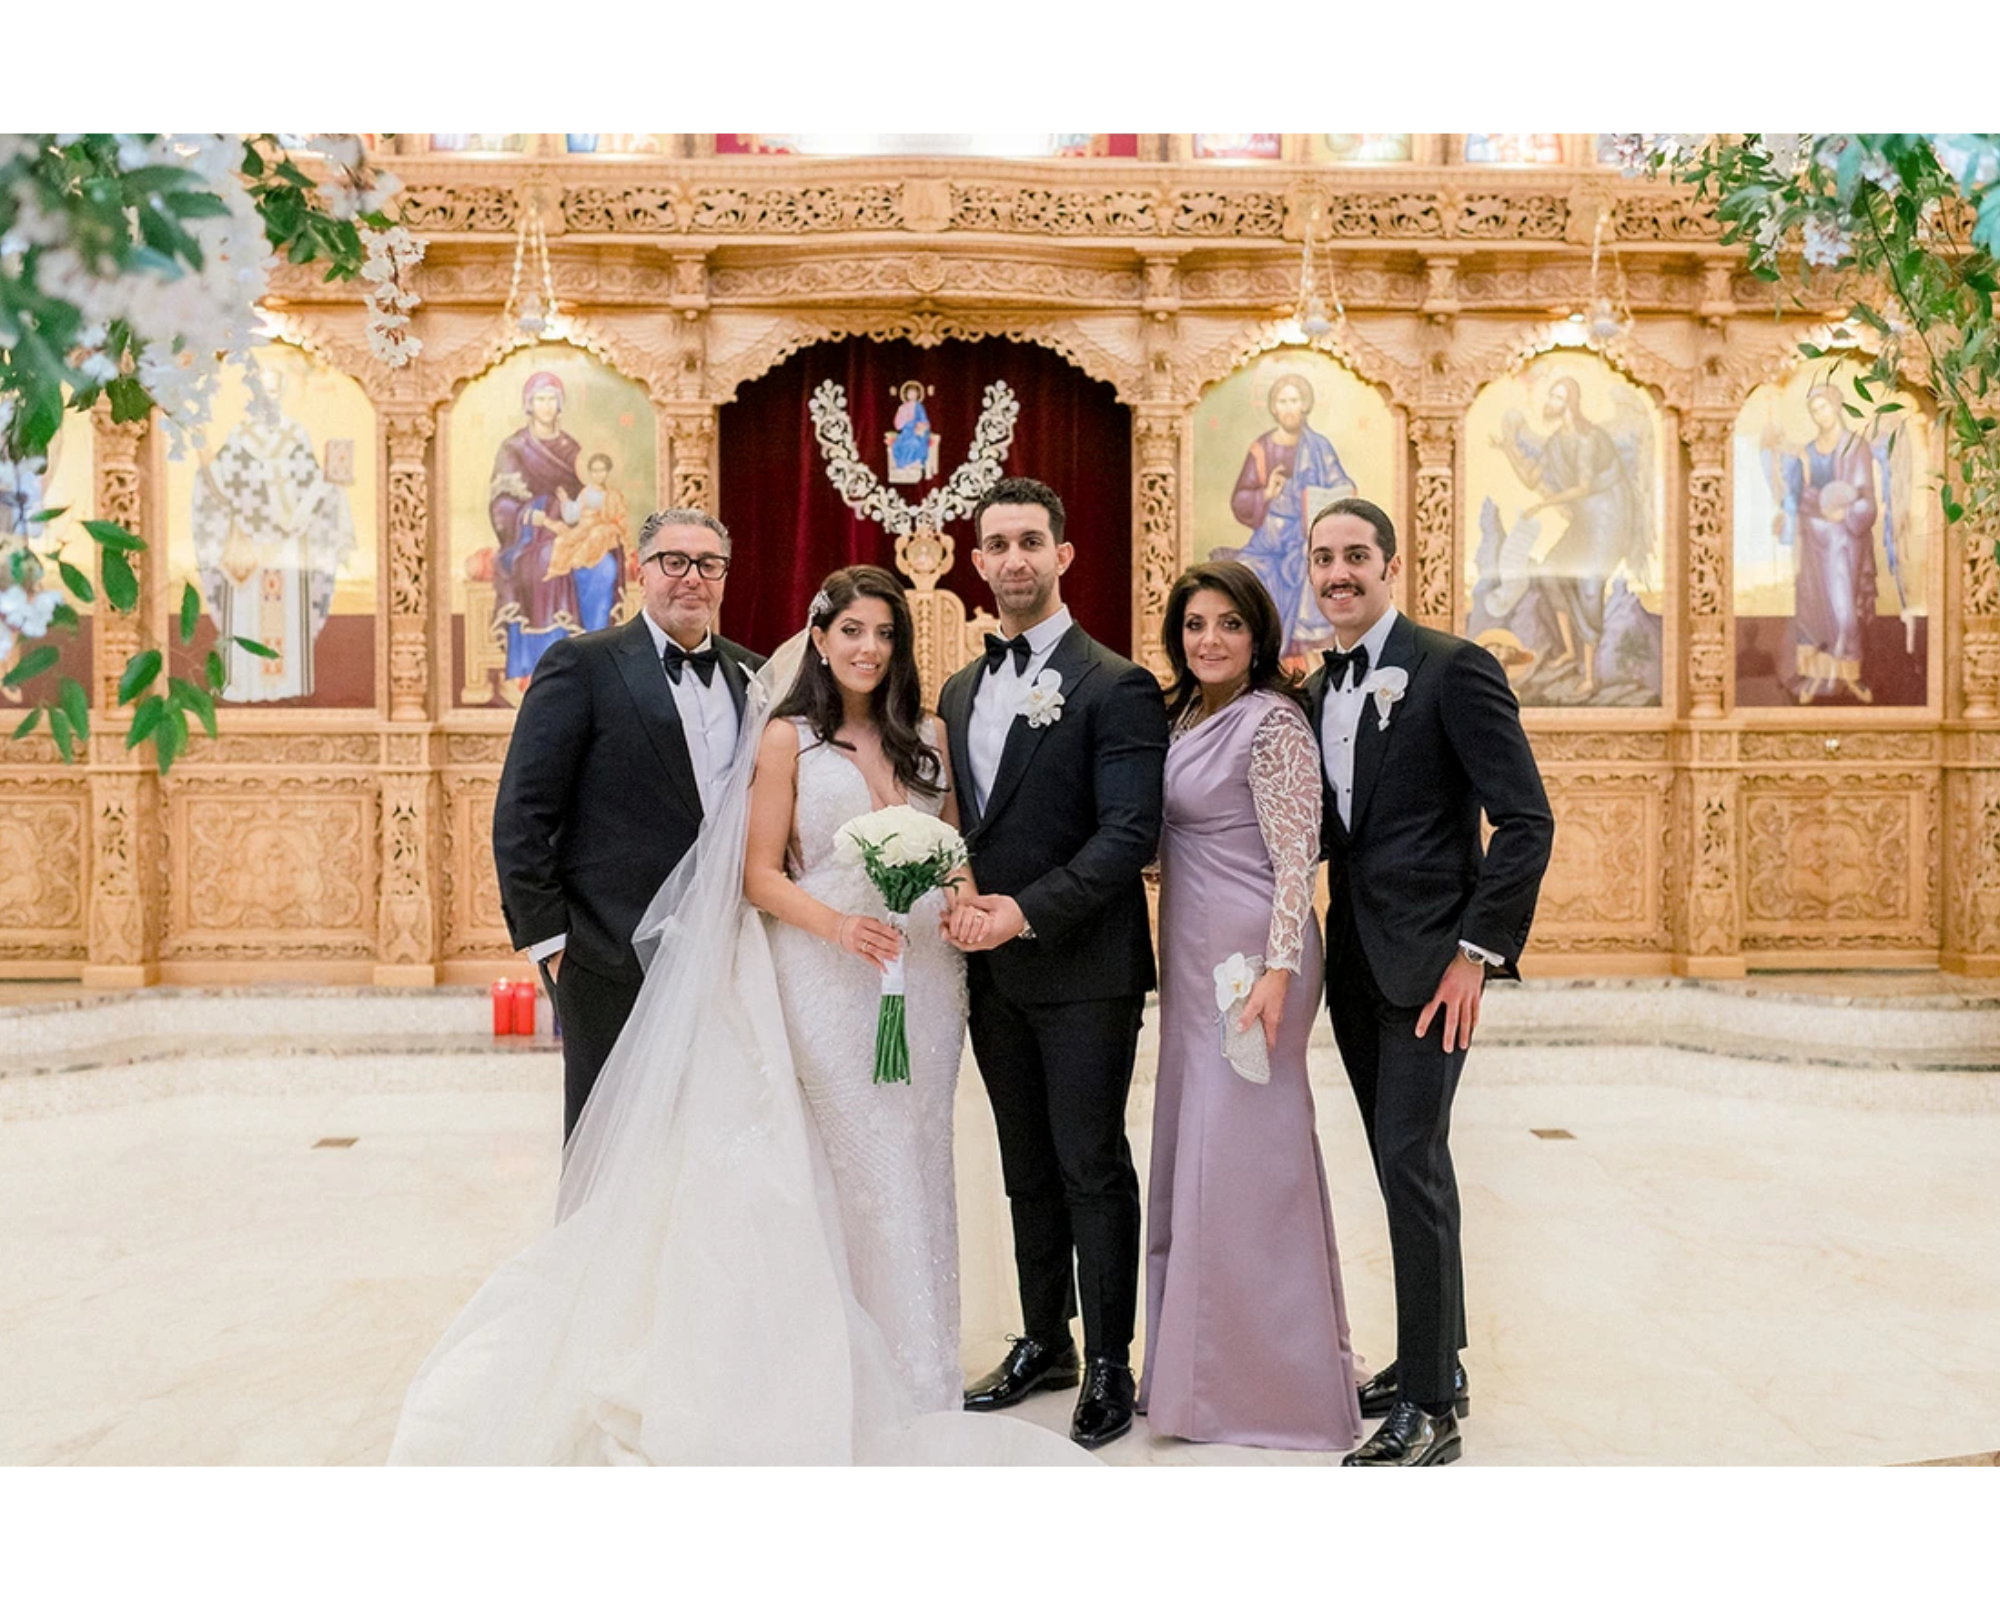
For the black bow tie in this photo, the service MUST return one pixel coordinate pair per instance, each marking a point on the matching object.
(1338, 661)
(702, 660)
(997, 650)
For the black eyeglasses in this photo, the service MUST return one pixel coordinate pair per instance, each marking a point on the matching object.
(675, 563)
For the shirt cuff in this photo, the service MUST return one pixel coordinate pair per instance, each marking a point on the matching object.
(1478, 954)
(547, 947)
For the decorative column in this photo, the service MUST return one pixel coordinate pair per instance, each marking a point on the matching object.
(409, 435)
(1972, 771)
(1708, 926)
(690, 431)
(410, 851)
(123, 920)
(1707, 610)
(1159, 432)
(1435, 504)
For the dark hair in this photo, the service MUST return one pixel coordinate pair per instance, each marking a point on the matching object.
(1369, 512)
(897, 703)
(1244, 590)
(1021, 492)
(600, 456)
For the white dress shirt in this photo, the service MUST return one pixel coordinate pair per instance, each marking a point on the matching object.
(708, 722)
(999, 702)
(708, 715)
(1340, 722)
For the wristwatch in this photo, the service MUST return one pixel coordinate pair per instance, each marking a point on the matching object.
(1026, 931)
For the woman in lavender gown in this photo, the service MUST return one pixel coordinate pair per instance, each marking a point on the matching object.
(1246, 1324)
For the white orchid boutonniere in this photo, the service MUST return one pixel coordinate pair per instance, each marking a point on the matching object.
(1043, 701)
(1386, 685)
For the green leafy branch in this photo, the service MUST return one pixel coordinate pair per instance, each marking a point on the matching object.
(1908, 227)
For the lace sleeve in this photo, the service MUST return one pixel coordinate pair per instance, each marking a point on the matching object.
(1285, 786)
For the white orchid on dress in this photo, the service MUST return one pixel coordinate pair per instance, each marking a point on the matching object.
(1245, 1050)
(1386, 686)
(1043, 702)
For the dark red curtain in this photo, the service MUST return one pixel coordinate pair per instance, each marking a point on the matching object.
(789, 528)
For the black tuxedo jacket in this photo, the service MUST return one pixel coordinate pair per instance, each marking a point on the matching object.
(1412, 860)
(598, 801)
(1073, 820)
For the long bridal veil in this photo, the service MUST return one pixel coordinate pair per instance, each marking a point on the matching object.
(691, 1304)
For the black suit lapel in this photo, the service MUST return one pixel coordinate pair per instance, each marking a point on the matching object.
(1330, 824)
(955, 706)
(1071, 658)
(1371, 739)
(658, 715)
(736, 676)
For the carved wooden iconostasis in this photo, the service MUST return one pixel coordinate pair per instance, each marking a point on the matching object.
(1760, 754)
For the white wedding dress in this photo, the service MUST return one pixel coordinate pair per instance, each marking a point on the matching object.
(722, 1285)
(889, 1144)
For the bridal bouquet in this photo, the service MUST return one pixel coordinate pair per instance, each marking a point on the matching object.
(906, 854)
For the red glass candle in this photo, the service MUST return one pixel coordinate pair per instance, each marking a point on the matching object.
(503, 1008)
(524, 1007)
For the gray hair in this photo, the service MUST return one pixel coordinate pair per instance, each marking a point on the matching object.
(679, 517)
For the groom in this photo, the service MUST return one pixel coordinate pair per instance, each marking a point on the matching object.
(1419, 733)
(1058, 752)
(621, 742)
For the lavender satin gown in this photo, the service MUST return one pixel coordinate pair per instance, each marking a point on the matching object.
(1246, 1323)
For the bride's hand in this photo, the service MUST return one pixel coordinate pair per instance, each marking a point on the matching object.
(873, 940)
(964, 924)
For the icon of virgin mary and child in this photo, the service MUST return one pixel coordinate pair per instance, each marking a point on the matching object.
(560, 568)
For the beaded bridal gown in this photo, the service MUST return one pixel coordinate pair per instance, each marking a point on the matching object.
(889, 1145)
(755, 1252)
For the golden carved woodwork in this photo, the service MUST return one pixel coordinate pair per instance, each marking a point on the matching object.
(271, 866)
(1607, 883)
(310, 843)
(1840, 859)
(42, 869)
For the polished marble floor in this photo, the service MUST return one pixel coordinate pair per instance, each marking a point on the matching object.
(223, 1247)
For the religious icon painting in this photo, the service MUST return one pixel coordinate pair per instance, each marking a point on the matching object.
(1273, 442)
(553, 463)
(1359, 147)
(1236, 146)
(912, 443)
(1514, 149)
(1833, 564)
(282, 550)
(1565, 493)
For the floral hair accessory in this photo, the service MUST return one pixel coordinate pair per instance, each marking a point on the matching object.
(822, 606)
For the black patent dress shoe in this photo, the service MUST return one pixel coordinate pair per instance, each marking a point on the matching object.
(1378, 1394)
(1411, 1437)
(1030, 1365)
(1104, 1409)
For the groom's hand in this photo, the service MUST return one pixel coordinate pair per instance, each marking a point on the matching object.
(1458, 993)
(985, 922)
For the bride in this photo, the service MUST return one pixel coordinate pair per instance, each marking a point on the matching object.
(755, 1256)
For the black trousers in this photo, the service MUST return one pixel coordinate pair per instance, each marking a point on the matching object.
(1403, 1086)
(1057, 1076)
(593, 1009)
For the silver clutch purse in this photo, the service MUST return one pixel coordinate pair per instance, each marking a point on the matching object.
(1244, 1048)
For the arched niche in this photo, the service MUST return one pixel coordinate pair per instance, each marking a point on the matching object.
(1565, 568)
(1277, 438)
(275, 518)
(552, 461)
(1836, 543)
(790, 526)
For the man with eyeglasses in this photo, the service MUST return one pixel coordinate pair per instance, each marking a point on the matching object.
(621, 740)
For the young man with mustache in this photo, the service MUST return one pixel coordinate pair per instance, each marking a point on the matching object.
(1419, 732)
